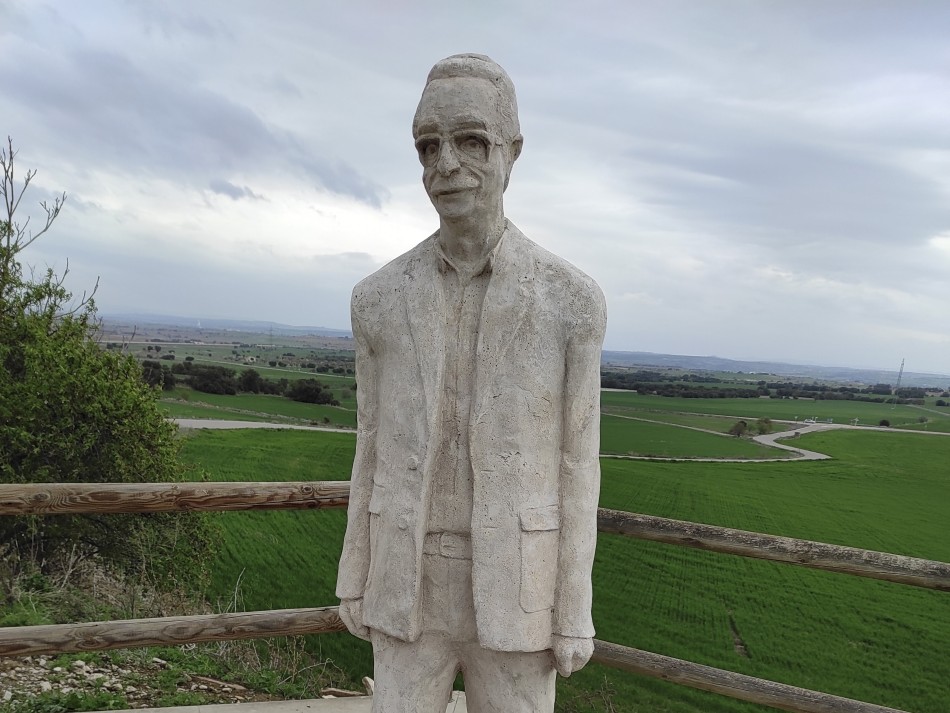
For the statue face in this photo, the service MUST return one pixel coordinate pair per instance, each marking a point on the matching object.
(459, 137)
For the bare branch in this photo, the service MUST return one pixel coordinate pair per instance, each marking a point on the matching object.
(18, 237)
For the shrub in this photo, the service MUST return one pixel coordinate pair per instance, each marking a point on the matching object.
(311, 391)
(71, 412)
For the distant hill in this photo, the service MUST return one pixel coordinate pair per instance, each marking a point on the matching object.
(236, 325)
(608, 358)
(808, 371)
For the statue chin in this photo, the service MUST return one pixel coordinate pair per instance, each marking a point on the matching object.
(460, 204)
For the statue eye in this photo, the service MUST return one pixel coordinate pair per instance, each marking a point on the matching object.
(428, 150)
(473, 146)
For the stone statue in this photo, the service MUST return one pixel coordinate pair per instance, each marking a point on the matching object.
(473, 506)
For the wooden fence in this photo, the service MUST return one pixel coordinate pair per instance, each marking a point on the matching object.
(53, 499)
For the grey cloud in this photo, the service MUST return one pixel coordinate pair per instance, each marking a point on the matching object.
(807, 191)
(344, 179)
(283, 85)
(102, 106)
(162, 18)
(226, 188)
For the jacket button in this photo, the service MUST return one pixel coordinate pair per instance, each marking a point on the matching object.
(412, 463)
(402, 523)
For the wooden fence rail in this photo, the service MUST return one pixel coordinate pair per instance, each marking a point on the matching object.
(87, 498)
(166, 631)
(901, 569)
(53, 499)
(97, 498)
(727, 683)
(175, 631)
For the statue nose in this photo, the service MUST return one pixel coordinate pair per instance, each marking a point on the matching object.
(448, 162)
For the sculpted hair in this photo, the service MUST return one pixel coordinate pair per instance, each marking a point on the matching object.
(481, 67)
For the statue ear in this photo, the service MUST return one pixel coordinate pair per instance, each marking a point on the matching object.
(516, 145)
(514, 152)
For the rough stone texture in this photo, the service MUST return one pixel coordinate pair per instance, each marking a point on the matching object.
(473, 506)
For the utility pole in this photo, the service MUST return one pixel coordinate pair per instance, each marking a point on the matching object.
(900, 375)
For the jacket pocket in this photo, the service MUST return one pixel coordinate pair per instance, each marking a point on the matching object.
(539, 549)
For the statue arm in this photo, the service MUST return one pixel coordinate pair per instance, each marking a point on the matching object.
(355, 559)
(579, 482)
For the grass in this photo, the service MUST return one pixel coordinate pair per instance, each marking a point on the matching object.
(875, 641)
(625, 436)
(187, 403)
(868, 414)
(178, 409)
(282, 559)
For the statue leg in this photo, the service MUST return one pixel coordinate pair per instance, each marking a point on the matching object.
(508, 681)
(413, 678)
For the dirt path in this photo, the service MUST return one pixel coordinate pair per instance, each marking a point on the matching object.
(223, 424)
(769, 439)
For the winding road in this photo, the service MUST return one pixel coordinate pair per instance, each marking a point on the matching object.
(769, 439)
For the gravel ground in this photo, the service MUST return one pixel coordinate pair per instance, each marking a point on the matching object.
(23, 677)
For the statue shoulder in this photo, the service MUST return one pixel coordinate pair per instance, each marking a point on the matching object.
(377, 291)
(578, 294)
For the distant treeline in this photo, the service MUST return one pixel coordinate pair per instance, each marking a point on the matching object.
(213, 379)
(697, 386)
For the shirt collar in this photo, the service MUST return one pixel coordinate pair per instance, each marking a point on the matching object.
(445, 263)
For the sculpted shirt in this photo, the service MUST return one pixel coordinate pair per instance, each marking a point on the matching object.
(450, 508)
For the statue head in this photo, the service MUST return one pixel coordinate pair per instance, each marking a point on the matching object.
(467, 134)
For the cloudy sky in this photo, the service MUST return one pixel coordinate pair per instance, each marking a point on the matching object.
(749, 179)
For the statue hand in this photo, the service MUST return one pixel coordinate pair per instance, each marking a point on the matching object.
(351, 612)
(571, 653)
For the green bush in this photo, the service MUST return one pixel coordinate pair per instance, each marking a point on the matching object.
(71, 412)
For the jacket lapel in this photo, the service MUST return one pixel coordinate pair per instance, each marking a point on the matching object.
(425, 306)
(509, 297)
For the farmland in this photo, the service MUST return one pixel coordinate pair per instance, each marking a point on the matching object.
(870, 640)
(188, 403)
(644, 438)
(868, 414)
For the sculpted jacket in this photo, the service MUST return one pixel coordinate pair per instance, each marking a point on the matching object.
(534, 443)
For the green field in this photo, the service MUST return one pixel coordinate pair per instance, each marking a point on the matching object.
(282, 559)
(884, 643)
(708, 422)
(868, 414)
(187, 403)
(624, 436)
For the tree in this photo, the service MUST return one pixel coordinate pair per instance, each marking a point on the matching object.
(73, 412)
(763, 426)
(311, 391)
(250, 381)
(738, 429)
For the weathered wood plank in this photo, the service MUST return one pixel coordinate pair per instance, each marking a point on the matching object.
(805, 553)
(727, 683)
(166, 631)
(86, 498)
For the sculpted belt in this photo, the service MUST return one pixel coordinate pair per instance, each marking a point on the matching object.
(448, 544)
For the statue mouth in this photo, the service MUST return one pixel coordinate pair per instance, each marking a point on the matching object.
(449, 188)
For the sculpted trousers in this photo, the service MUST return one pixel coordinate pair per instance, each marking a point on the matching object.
(418, 677)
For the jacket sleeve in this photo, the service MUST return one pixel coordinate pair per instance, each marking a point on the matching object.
(355, 560)
(579, 482)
